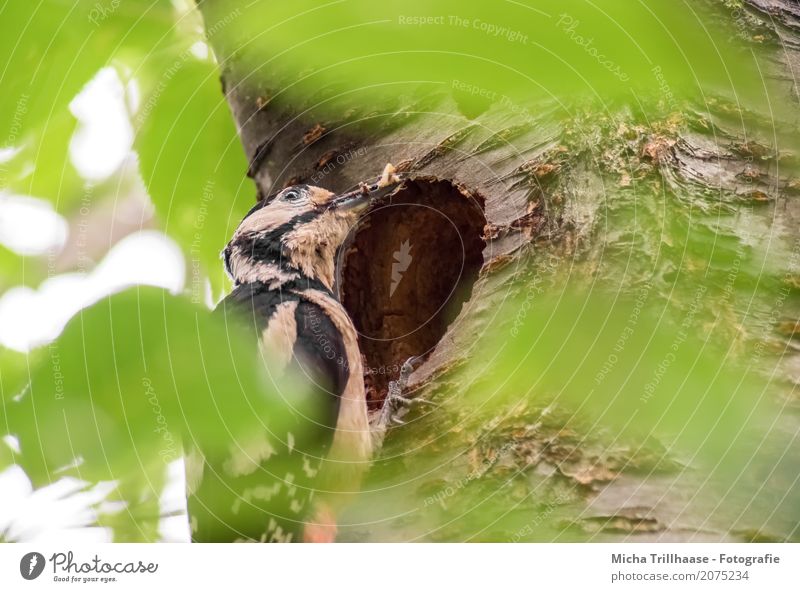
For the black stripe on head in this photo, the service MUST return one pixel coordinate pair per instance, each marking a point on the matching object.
(226, 252)
(226, 259)
(298, 220)
(266, 246)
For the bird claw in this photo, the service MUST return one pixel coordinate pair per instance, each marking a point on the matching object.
(396, 387)
(413, 401)
(395, 402)
(421, 401)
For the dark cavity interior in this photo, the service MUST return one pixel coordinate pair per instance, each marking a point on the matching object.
(406, 271)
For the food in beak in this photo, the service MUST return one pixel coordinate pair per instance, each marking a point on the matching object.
(363, 196)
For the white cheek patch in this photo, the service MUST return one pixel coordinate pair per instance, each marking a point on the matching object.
(246, 270)
(312, 246)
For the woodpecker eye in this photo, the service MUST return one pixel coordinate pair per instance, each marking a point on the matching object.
(291, 195)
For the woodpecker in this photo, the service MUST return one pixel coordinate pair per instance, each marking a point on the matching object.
(282, 262)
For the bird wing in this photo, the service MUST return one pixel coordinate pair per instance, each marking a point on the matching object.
(261, 488)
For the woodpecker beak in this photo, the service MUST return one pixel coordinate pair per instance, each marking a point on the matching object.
(360, 198)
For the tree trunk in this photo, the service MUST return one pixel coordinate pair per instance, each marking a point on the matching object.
(509, 196)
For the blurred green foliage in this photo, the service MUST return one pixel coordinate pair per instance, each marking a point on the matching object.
(129, 382)
(193, 164)
(51, 51)
(191, 160)
(491, 51)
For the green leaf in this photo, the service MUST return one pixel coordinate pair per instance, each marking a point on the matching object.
(15, 269)
(42, 167)
(14, 368)
(503, 52)
(130, 380)
(193, 164)
(57, 47)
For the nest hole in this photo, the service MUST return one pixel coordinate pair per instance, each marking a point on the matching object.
(405, 272)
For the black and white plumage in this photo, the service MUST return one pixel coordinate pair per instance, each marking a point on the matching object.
(286, 488)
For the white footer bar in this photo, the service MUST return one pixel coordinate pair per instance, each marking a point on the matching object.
(401, 568)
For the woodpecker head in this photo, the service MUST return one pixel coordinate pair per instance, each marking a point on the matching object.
(295, 233)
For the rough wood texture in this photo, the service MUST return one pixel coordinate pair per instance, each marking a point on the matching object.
(782, 19)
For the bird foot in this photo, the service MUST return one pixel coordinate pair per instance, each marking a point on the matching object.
(395, 406)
